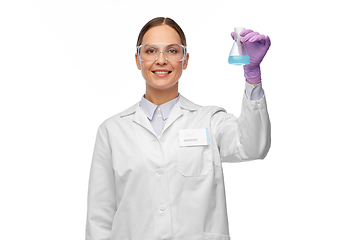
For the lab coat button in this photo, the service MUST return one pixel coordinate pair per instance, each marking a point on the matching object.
(162, 207)
(159, 116)
(160, 171)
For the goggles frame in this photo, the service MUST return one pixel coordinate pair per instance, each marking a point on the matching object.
(158, 54)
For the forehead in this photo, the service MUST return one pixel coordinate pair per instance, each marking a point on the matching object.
(162, 33)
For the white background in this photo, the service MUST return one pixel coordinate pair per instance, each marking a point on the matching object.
(66, 66)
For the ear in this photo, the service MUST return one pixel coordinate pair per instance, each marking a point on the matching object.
(186, 61)
(137, 62)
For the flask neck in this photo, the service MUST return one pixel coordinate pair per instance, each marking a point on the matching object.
(237, 31)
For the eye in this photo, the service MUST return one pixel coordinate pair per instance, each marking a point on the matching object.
(150, 51)
(172, 51)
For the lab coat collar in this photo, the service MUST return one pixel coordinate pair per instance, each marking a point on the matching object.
(149, 108)
(187, 104)
(177, 111)
(183, 103)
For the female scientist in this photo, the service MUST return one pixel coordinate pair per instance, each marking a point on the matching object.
(156, 171)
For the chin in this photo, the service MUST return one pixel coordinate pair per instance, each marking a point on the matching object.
(161, 85)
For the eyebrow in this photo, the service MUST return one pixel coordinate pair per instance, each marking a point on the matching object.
(153, 45)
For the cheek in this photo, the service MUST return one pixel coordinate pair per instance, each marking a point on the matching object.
(145, 68)
(178, 67)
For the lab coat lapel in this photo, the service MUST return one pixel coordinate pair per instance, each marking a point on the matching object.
(175, 113)
(141, 119)
(178, 109)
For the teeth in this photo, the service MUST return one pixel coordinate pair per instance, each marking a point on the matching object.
(161, 72)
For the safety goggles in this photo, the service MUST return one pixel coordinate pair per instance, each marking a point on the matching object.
(172, 52)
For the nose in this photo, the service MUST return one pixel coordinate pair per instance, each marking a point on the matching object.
(161, 58)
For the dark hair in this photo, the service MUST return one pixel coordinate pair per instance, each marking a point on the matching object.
(158, 22)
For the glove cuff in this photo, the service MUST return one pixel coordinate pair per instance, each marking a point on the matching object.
(252, 75)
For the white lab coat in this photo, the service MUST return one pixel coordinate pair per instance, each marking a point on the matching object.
(144, 187)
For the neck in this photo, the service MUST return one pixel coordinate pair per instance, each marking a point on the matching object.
(160, 96)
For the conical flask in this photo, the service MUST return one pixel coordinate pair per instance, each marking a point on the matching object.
(238, 54)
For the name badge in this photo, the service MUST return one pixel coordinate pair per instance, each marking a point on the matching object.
(194, 137)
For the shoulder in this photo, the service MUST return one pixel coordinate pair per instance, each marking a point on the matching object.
(206, 110)
(121, 116)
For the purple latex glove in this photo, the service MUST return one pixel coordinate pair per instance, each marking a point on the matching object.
(257, 45)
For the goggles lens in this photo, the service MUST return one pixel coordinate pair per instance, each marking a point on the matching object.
(172, 52)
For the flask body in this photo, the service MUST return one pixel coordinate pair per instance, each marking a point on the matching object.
(238, 54)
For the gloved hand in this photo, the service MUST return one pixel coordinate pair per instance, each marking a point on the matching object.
(257, 45)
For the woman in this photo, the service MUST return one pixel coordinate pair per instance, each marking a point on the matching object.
(157, 167)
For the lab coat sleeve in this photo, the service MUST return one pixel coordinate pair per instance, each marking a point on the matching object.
(244, 138)
(101, 192)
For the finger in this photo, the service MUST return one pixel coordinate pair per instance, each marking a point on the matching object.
(267, 42)
(242, 33)
(248, 36)
(258, 38)
(262, 39)
(245, 31)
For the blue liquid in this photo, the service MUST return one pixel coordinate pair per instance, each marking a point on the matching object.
(239, 60)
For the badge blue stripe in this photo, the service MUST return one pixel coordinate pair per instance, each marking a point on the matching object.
(207, 136)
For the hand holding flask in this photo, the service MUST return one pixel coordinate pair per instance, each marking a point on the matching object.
(257, 46)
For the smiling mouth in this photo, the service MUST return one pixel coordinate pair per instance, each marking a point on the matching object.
(161, 72)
